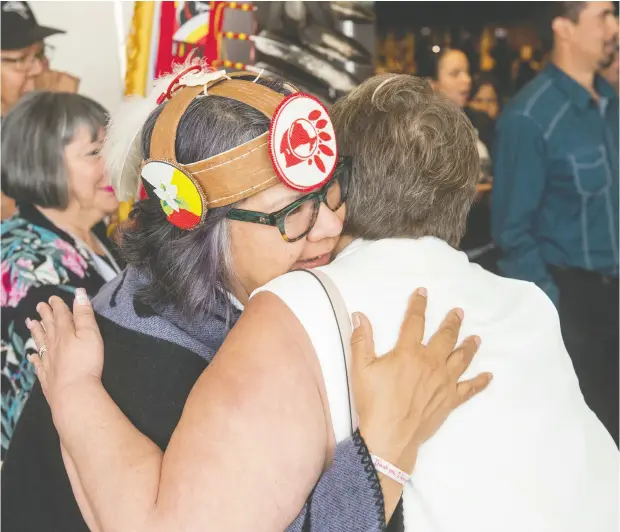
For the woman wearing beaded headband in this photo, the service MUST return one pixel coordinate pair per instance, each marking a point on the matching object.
(190, 273)
(528, 454)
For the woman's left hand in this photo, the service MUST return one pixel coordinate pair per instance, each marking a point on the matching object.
(403, 398)
(73, 350)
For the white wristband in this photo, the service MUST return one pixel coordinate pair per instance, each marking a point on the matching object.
(389, 470)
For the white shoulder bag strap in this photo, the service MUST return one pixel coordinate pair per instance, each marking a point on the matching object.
(344, 326)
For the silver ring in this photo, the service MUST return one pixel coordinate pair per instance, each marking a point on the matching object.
(42, 351)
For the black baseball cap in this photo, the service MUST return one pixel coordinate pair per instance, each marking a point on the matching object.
(20, 28)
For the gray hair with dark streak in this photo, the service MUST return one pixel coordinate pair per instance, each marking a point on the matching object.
(191, 270)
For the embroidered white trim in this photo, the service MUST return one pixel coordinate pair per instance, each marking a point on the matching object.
(389, 470)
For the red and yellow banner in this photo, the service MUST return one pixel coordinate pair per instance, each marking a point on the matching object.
(164, 33)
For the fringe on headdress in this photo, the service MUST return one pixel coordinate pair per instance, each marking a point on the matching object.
(122, 149)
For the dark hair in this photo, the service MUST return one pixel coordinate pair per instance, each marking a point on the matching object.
(34, 136)
(482, 79)
(190, 270)
(553, 10)
(430, 68)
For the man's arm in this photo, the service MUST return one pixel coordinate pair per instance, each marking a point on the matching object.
(519, 181)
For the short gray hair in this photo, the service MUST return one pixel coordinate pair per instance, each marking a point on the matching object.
(34, 136)
(415, 161)
(192, 270)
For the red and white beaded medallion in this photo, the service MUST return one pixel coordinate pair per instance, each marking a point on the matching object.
(302, 143)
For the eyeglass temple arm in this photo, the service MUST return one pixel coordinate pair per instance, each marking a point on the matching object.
(241, 215)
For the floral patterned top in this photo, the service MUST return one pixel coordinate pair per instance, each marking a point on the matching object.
(38, 261)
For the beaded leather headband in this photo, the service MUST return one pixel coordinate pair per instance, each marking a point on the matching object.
(299, 149)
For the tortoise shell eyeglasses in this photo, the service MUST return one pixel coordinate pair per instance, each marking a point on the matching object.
(297, 219)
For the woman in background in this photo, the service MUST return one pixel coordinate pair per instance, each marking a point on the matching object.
(449, 76)
(486, 98)
(485, 95)
(55, 243)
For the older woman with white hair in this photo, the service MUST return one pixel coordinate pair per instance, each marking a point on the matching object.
(56, 242)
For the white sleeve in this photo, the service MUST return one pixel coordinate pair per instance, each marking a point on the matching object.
(306, 298)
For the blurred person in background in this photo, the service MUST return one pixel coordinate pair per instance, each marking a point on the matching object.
(50, 157)
(504, 57)
(555, 192)
(449, 76)
(25, 65)
(485, 96)
(525, 68)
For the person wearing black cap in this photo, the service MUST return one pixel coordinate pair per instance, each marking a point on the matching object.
(25, 64)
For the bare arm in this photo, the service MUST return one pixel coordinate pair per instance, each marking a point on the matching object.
(249, 461)
(264, 444)
(78, 491)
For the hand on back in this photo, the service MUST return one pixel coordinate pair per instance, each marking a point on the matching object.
(403, 397)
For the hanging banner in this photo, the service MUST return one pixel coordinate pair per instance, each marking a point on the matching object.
(164, 33)
(188, 27)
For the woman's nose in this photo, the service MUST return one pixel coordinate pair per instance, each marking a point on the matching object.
(327, 225)
(103, 169)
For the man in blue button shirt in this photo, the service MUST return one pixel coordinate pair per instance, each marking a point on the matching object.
(555, 193)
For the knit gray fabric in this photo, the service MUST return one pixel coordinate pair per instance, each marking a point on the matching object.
(347, 498)
(116, 302)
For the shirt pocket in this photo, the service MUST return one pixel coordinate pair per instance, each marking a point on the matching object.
(590, 171)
